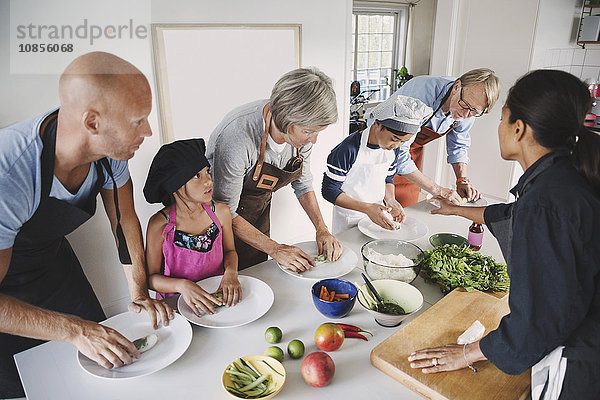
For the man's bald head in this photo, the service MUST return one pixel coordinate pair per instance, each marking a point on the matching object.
(98, 79)
(105, 101)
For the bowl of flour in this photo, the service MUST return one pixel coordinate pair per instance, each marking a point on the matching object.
(392, 259)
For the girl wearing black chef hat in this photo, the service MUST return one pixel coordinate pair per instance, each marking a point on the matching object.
(191, 238)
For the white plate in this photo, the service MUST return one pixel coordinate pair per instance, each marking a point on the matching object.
(173, 341)
(327, 270)
(257, 299)
(411, 229)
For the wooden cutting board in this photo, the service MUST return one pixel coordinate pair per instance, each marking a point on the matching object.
(442, 324)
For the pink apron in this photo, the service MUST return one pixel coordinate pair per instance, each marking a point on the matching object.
(180, 262)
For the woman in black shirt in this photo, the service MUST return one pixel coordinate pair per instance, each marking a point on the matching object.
(550, 239)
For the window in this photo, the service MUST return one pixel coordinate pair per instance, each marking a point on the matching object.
(379, 43)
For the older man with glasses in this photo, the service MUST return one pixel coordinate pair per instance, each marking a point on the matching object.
(456, 104)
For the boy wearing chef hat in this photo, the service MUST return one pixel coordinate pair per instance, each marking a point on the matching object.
(360, 170)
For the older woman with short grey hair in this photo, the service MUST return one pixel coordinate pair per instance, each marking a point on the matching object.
(263, 146)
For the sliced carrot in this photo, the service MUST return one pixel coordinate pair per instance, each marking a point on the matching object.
(324, 295)
(342, 295)
(332, 295)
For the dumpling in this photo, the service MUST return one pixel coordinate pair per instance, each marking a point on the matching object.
(395, 225)
(146, 343)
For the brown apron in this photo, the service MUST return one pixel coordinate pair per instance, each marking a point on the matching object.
(406, 192)
(255, 200)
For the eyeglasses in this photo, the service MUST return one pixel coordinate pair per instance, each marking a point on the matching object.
(473, 111)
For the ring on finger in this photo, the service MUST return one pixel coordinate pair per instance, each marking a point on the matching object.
(435, 362)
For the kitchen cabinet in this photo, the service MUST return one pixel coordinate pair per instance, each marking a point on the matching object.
(589, 24)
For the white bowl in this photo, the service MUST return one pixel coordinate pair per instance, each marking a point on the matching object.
(401, 293)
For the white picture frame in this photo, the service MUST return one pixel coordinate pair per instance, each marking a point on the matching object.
(203, 71)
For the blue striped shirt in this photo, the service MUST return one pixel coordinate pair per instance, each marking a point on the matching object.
(340, 161)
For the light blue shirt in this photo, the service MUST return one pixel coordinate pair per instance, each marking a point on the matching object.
(431, 90)
(21, 178)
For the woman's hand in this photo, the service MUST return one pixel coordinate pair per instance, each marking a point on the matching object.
(445, 206)
(292, 258)
(327, 243)
(446, 358)
(196, 297)
(232, 289)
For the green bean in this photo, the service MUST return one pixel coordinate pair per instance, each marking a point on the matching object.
(255, 383)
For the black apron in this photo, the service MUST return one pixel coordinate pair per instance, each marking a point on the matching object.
(255, 200)
(578, 358)
(44, 271)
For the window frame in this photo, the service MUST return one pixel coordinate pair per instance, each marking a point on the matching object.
(400, 33)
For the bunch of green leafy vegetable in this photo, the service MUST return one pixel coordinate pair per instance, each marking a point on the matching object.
(453, 266)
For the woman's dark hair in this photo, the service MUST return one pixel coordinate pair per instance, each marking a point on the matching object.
(554, 104)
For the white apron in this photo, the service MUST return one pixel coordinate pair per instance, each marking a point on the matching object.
(547, 376)
(364, 182)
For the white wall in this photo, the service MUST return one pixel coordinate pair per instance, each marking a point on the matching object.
(558, 21)
(422, 37)
(325, 44)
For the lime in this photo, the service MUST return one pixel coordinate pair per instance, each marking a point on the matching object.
(296, 348)
(274, 352)
(273, 334)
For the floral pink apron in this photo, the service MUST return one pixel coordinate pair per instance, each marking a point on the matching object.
(180, 262)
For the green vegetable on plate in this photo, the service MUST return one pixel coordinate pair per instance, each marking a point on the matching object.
(219, 296)
(453, 266)
(320, 259)
(145, 343)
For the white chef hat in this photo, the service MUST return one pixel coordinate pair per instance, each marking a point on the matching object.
(402, 113)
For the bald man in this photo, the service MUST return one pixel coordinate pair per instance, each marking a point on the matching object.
(51, 169)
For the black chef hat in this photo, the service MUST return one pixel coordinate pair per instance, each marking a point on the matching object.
(174, 165)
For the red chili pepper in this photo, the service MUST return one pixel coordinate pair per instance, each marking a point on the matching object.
(352, 328)
(351, 334)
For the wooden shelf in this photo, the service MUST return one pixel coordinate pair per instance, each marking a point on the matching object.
(592, 5)
(587, 42)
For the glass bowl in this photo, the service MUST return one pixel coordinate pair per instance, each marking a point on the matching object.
(378, 269)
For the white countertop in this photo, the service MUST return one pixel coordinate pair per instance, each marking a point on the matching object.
(51, 371)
